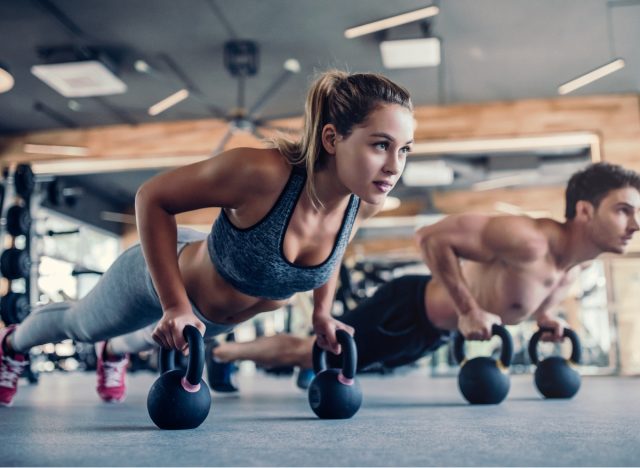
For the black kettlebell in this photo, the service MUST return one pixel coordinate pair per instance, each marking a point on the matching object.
(555, 376)
(336, 393)
(179, 399)
(483, 380)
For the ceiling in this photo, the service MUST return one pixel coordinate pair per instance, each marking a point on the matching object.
(491, 50)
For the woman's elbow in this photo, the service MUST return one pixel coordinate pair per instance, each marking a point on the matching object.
(147, 198)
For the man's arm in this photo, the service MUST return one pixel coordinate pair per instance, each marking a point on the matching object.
(483, 239)
(546, 316)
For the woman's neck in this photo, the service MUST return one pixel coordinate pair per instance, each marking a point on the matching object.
(330, 191)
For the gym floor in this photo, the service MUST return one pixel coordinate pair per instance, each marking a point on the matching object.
(406, 419)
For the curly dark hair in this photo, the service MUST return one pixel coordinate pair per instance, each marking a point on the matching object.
(594, 182)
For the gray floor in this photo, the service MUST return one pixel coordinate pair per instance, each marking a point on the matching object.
(406, 419)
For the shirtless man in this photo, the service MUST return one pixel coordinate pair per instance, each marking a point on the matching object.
(512, 268)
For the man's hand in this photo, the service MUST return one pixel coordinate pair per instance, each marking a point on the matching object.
(556, 324)
(477, 324)
(168, 332)
(325, 329)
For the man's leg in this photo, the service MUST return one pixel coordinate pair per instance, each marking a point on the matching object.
(269, 351)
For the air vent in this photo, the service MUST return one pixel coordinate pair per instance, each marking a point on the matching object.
(80, 79)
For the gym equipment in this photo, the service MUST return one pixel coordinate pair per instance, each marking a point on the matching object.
(178, 399)
(336, 393)
(14, 307)
(2, 190)
(555, 376)
(219, 376)
(24, 180)
(58, 194)
(483, 380)
(219, 373)
(15, 263)
(18, 220)
(305, 376)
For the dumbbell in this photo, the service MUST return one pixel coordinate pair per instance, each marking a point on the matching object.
(58, 194)
(483, 380)
(555, 376)
(24, 180)
(14, 307)
(18, 220)
(15, 263)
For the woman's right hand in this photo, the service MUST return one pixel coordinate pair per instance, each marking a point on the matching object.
(168, 332)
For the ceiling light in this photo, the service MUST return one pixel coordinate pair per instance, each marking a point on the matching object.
(411, 53)
(515, 210)
(74, 105)
(6, 80)
(56, 149)
(401, 221)
(427, 174)
(592, 76)
(292, 65)
(506, 181)
(391, 22)
(476, 145)
(168, 102)
(141, 66)
(85, 78)
(391, 203)
(98, 165)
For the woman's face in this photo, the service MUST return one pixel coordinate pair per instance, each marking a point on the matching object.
(371, 159)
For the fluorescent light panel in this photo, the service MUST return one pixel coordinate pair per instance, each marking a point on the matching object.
(503, 182)
(401, 221)
(391, 203)
(56, 149)
(427, 174)
(563, 140)
(592, 76)
(168, 102)
(94, 165)
(411, 53)
(392, 22)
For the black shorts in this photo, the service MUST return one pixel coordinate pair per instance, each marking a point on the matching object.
(391, 327)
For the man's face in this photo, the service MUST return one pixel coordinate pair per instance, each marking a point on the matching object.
(615, 220)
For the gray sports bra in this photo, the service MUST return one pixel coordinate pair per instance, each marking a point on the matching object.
(252, 259)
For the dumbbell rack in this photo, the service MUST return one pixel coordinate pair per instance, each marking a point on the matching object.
(15, 262)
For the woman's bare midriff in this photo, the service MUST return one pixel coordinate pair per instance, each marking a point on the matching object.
(216, 299)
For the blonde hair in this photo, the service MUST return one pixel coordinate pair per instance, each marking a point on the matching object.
(341, 99)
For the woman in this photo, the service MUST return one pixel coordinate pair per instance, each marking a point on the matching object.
(287, 214)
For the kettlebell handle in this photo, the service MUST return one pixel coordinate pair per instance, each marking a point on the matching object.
(506, 352)
(349, 355)
(576, 352)
(195, 367)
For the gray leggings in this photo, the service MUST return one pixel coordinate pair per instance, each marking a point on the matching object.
(124, 305)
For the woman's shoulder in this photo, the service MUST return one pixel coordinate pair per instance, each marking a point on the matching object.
(265, 169)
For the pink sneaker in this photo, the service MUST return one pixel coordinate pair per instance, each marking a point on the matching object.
(111, 371)
(11, 367)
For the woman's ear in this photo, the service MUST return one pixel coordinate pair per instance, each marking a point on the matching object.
(329, 138)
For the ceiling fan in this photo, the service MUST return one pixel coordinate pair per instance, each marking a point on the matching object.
(241, 59)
